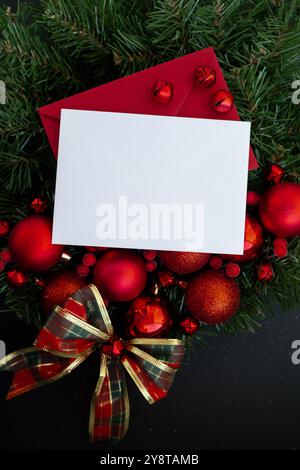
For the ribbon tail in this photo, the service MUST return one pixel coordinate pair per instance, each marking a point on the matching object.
(153, 365)
(109, 415)
(33, 368)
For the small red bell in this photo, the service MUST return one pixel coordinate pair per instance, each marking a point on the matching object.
(205, 76)
(163, 91)
(222, 101)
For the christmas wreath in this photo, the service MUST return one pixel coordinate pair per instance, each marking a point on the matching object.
(60, 48)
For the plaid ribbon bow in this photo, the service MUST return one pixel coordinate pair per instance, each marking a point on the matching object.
(70, 335)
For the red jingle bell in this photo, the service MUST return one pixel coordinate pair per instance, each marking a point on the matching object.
(163, 91)
(148, 317)
(222, 101)
(205, 76)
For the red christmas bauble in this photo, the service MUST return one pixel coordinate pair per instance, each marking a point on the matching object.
(222, 101)
(253, 241)
(147, 317)
(212, 297)
(58, 289)
(120, 275)
(163, 91)
(182, 262)
(279, 210)
(30, 244)
(205, 76)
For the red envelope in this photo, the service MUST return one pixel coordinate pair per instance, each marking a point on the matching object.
(133, 94)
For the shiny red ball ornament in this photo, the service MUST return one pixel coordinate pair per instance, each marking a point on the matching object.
(182, 262)
(58, 288)
(279, 210)
(16, 277)
(205, 76)
(147, 317)
(163, 91)
(30, 244)
(120, 275)
(189, 325)
(253, 241)
(38, 205)
(212, 297)
(232, 270)
(222, 101)
(4, 228)
(274, 173)
(265, 271)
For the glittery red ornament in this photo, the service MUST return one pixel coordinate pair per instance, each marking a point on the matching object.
(253, 241)
(182, 262)
(148, 317)
(212, 297)
(215, 262)
(205, 76)
(222, 101)
(166, 278)
(252, 198)
(274, 173)
(163, 91)
(189, 325)
(232, 270)
(5, 255)
(120, 275)
(30, 244)
(16, 277)
(58, 288)
(265, 271)
(4, 228)
(280, 247)
(114, 347)
(38, 205)
(89, 259)
(279, 210)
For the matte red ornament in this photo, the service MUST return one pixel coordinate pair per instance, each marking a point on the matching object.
(38, 205)
(274, 173)
(58, 288)
(215, 262)
(253, 241)
(182, 262)
(280, 247)
(205, 76)
(114, 347)
(189, 325)
(4, 228)
(120, 275)
(265, 271)
(252, 198)
(148, 317)
(232, 270)
(212, 297)
(30, 244)
(163, 91)
(16, 277)
(166, 278)
(222, 101)
(279, 210)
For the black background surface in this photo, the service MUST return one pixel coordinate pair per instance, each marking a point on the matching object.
(240, 392)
